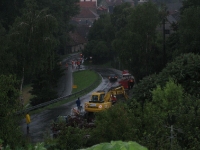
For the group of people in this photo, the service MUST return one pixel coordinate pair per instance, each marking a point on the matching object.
(77, 63)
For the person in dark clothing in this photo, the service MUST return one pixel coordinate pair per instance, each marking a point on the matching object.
(78, 104)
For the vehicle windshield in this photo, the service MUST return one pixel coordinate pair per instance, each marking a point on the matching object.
(94, 98)
(127, 76)
(101, 97)
(113, 75)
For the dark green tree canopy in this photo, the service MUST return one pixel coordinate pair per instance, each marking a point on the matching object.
(189, 30)
(136, 42)
(184, 70)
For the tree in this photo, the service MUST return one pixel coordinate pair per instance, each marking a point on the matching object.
(189, 30)
(102, 38)
(113, 124)
(63, 11)
(10, 103)
(188, 4)
(6, 58)
(120, 15)
(33, 42)
(107, 32)
(184, 69)
(10, 9)
(69, 138)
(135, 43)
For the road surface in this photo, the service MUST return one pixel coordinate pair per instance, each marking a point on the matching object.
(40, 123)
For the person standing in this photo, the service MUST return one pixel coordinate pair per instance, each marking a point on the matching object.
(78, 63)
(72, 64)
(78, 104)
(28, 121)
(67, 66)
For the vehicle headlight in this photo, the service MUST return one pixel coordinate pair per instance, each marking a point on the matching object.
(100, 106)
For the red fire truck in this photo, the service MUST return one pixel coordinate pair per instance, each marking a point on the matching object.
(127, 80)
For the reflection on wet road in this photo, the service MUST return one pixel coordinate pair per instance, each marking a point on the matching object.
(40, 123)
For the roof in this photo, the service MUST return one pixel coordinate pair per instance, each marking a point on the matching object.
(171, 19)
(87, 4)
(88, 9)
(102, 8)
(87, 13)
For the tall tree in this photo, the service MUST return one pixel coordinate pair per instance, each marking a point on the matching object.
(9, 10)
(9, 103)
(120, 15)
(63, 11)
(135, 43)
(189, 30)
(32, 41)
(6, 58)
(102, 38)
(189, 3)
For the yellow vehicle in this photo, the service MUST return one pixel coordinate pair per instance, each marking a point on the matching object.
(101, 100)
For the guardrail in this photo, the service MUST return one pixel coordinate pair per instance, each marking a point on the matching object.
(61, 98)
(58, 99)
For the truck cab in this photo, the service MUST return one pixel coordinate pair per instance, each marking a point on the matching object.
(97, 102)
(101, 100)
(127, 80)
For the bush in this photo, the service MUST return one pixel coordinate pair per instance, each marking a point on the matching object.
(185, 70)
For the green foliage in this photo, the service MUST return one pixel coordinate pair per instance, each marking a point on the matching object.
(136, 43)
(119, 16)
(10, 103)
(169, 106)
(107, 32)
(10, 9)
(63, 11)
(6, 59)
(173, 46)
(142, 90)
(189, 30)
(98, 50)
(37, 146)
(184, 69)
(99, 45)
(32, 41)
(113, 124)
(117, 145)
(189, 4)
(168, 99)
(42, 90)
(69, 138)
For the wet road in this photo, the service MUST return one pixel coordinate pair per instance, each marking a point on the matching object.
(40, 123)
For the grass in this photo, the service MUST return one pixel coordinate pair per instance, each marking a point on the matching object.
(82, 79)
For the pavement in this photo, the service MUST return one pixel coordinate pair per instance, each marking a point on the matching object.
(40, 123)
